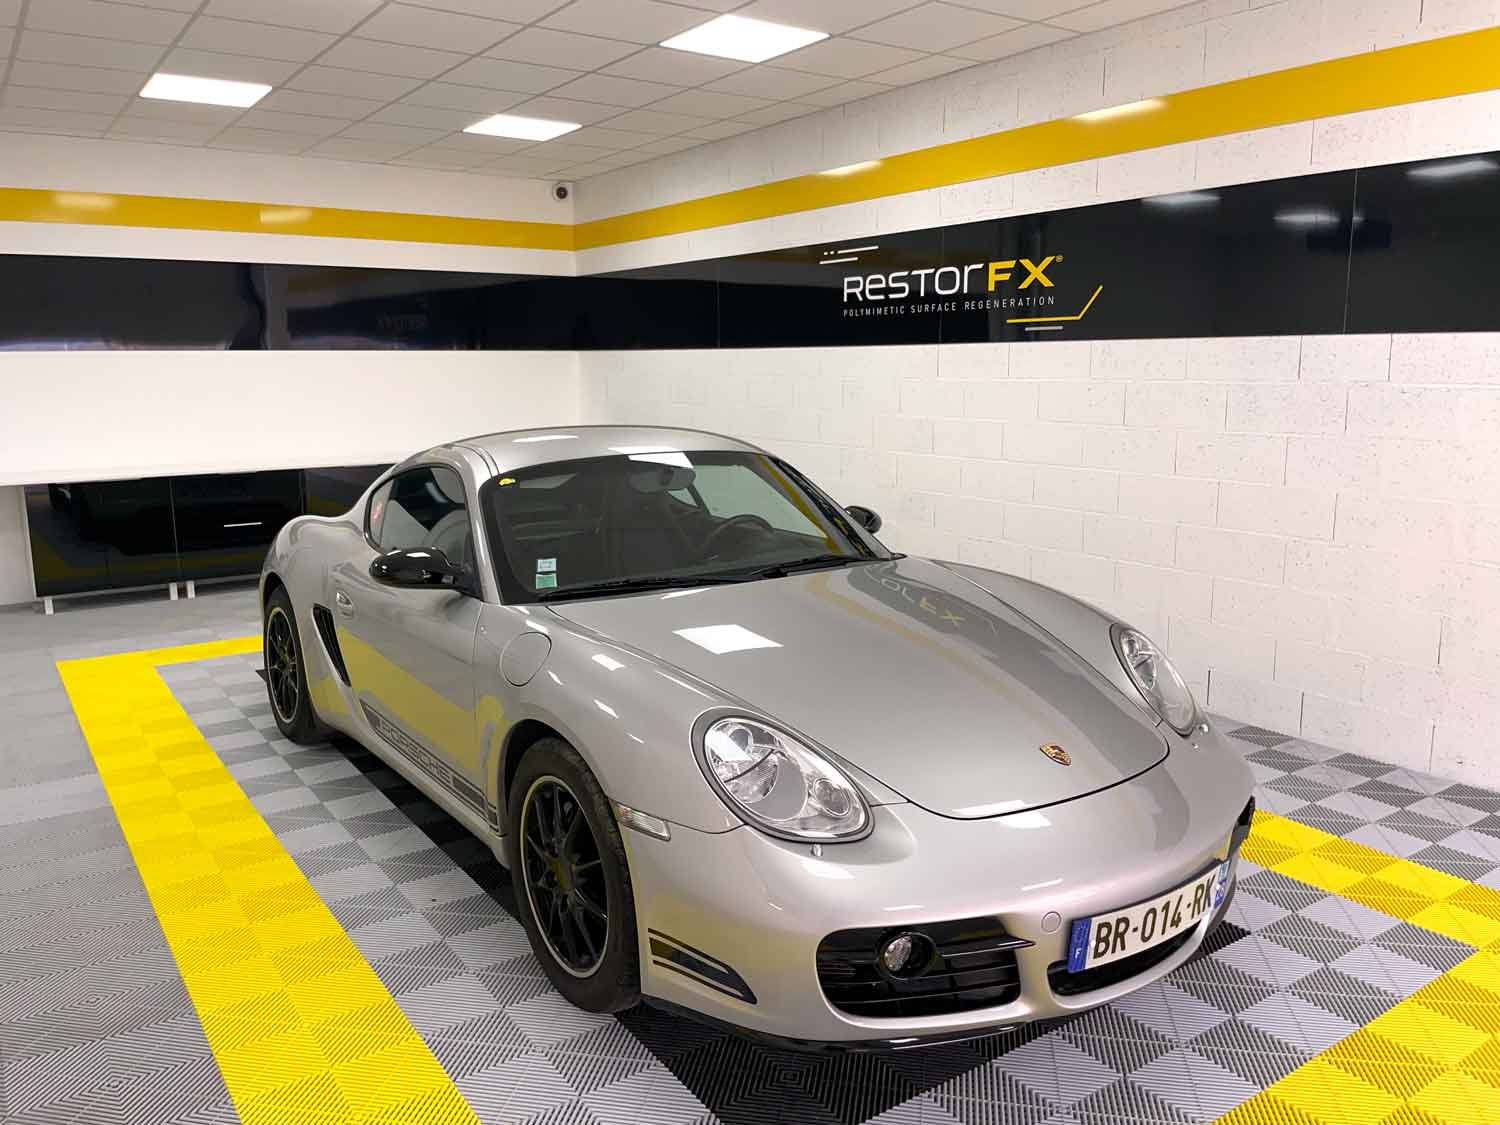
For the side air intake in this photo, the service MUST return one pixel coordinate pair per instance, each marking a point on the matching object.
(323, 619)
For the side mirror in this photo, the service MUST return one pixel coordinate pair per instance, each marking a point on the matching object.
(422, 567)
(867, 518)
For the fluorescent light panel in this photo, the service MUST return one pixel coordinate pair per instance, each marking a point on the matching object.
(743, 39)
(522, 128)
(204, 91)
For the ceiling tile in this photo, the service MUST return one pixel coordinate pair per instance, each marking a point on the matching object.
(161, 129)
(216, 115)
(1111, 12)
(668, 145)
(429, 117)
(171, 5)
(562, 150)
(506, 74)
(614, 91)
(320, 105)
(340, 148)
(921, 70)
(475, 99)
(772, 82)
(242, 38)
(10, 12)
(1009, 43)
(561, 48)
(516, 11)
(392, 134)
(45, 46)
(105, 21)
(442, 159)
(606, 137)
(639, 21)
(706, 103)
(53, 120)
(584, 171)
(239, 68)
(58, 76)
(486, 146)
(521, 165)
(336, 16)
(79, 101)
(425, 27)
(847, 58)
(652, 121)
(306, 124)
(832, 16)
(936, 27)
(565, 109)
(354, 83)
(843, 92)
(1024, 9)
(389, 58)
(260, 140)
(778, 112)
(718, 130)
(680, 68)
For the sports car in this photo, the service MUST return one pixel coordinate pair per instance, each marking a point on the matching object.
(744, 761)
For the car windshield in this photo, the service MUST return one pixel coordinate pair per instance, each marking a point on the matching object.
(639, 521)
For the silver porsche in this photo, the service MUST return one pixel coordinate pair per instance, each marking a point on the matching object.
(744, 761)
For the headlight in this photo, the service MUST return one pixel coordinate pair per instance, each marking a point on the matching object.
(780, 785)
(1151, 671)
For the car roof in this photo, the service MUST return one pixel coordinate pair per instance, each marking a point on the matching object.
(519, 449)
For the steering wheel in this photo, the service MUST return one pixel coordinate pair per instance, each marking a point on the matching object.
(745, 519)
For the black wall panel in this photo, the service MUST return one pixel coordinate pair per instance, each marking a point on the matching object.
(1404, 247)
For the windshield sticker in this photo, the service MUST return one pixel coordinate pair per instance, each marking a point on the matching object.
(546, 581)
(506, 480)
(546, 566)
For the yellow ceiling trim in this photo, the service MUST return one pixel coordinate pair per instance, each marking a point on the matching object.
(29, 205)
(1437, 68)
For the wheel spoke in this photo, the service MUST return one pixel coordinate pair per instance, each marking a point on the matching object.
(583, 932)
(593, 909)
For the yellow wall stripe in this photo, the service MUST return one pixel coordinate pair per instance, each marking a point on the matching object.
(301, 1027)
(1430, 1059)
(1437, 68)
(30, 205)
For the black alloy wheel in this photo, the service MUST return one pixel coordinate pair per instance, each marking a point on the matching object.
(282, 666)
(564, 875)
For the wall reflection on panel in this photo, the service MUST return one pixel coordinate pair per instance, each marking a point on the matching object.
(101, 535)
(226, 521)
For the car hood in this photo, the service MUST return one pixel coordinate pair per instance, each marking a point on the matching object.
(915, 675)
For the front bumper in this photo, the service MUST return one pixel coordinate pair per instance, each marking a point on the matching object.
(757, 908)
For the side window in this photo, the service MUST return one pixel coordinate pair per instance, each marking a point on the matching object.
(423, 508)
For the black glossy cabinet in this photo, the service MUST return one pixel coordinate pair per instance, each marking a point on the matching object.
(111, 535)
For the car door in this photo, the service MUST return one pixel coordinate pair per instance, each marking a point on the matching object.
(410, 652)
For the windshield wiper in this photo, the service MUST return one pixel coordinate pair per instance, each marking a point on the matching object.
(813, 562)
(634, 585)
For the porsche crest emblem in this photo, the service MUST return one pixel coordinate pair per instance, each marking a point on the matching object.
(1057, 754)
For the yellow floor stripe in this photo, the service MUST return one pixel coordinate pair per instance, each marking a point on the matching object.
(1435, 68)
(301, 1027)
(1432, 1058)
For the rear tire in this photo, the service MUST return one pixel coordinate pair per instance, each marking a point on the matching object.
(286, 677)
(566, 855)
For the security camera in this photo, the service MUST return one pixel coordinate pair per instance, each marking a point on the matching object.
(561, 192)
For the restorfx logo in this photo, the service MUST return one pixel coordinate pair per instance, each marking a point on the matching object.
(951, 288)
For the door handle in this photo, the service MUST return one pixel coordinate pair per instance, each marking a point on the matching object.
(345, 605)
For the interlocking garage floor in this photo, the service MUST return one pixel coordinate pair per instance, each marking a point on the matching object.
(1357, 980)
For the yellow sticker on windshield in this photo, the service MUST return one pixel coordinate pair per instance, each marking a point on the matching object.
(507, 480)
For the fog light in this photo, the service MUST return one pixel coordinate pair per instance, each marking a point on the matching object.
(906, 955)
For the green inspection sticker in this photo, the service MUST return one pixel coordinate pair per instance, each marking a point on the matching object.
(546, 581)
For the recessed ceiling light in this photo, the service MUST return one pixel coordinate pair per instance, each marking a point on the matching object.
(522, 128)
(1146, 105)
(205, 91)
(743, 39)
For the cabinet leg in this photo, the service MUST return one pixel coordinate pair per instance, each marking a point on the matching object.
(47, 607)
(192, 588)
(172, 591)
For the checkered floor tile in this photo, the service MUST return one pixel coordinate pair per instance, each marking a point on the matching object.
(82, 1018)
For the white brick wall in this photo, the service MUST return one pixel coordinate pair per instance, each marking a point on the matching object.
(1341, 586)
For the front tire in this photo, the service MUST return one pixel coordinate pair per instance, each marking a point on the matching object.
(286, 676)
(572, 879)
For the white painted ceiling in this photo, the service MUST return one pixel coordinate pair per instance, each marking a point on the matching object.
(396, 83)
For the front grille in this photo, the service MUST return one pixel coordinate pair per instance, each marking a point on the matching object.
(1065, 983)
(974, 967)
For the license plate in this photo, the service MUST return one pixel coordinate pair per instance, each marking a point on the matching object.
(1109, 937)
